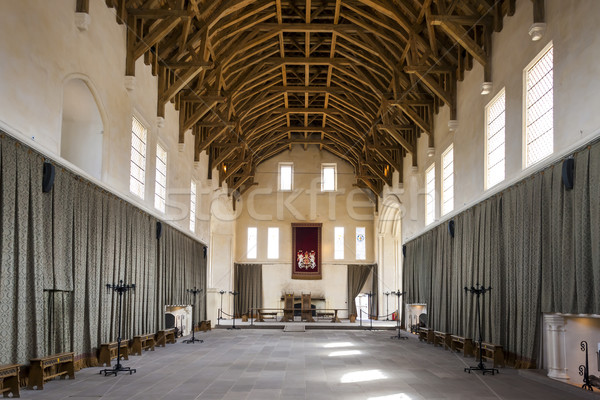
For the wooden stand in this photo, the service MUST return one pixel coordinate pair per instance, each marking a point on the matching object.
(109, 351)
(46, 368)
(9, 380)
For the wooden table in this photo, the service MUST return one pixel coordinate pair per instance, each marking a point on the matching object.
(9, 380)
(46, 368)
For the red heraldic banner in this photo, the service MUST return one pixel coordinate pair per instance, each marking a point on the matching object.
(306, 251)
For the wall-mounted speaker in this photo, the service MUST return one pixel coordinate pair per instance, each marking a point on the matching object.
(403, 250)
(158, 229)
(48, 173)
(568, 173)
(205, 251)
(451, 227)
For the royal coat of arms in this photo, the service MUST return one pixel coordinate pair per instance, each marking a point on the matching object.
(306, 259)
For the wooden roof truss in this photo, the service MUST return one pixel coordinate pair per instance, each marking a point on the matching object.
(361, 79)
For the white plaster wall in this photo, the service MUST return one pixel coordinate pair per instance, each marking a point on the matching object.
(263, 207)
(82, 144)
(41, 49)
(573, 28)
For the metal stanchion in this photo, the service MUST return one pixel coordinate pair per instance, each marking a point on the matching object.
(478, 290)
(120, 289)
(222, 292)
(398, 293)
(233, 326)
(193, 339)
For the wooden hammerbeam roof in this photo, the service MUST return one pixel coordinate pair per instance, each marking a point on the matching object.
(361, 79)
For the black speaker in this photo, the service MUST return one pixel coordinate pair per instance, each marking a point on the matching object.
(568, 173)
(205, 250)
(451, 227)
(158, 229)
(403, 250)
(47, 177)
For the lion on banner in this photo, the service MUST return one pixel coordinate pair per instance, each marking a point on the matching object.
(306, 260)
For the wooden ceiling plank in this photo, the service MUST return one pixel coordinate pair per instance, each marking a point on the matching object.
(386, 157)
(225, 153)
(416, 118)
(204, 144)
(161, 30)
(182, 81)
(398, 137)
(461, 36)
(201, 112)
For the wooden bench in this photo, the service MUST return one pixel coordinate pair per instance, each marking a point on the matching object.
(46, 368)
(269, 314)
(108, 352)
(491, 352)
(460, 344)
(441, 339)
(205, 326)
(325, 315)
(165, 336)
(9, 380)
(143, 342)
(426, 335)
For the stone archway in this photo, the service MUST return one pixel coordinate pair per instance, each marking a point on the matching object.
(389, 250)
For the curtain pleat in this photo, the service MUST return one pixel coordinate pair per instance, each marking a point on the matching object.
(357, 276)
(248, 283)
(536, 244)
(60, 250)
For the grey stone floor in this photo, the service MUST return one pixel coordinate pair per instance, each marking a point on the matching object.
(316, 364)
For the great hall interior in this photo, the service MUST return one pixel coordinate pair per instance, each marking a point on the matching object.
(274, 193)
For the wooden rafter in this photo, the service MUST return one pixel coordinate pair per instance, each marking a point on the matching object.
(361, 79)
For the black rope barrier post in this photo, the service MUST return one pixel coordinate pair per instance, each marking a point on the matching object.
(399, 336)
(479, 290)
(193, 339)
(369, 311)
(119, 289)
(234, 304)
(220, 309)
(387, 308)
(584, 370)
